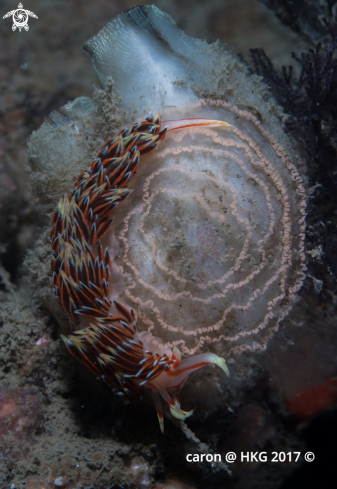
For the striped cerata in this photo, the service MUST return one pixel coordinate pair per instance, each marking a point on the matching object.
(111, 347)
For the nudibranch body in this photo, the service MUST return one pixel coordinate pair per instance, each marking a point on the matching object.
(111, 346)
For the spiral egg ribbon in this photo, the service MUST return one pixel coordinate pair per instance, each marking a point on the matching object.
(81, 270)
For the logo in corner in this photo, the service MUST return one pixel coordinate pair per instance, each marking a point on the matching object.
(20, 18)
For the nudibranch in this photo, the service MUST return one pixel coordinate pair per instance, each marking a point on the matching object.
(207, 242)
(111, 347)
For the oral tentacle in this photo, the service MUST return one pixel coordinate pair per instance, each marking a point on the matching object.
(174, 405)
(189, 365)
(159, 409)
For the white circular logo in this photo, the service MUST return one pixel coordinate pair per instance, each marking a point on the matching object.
(20, 18)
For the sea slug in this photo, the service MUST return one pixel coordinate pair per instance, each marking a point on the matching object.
(111, 347)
